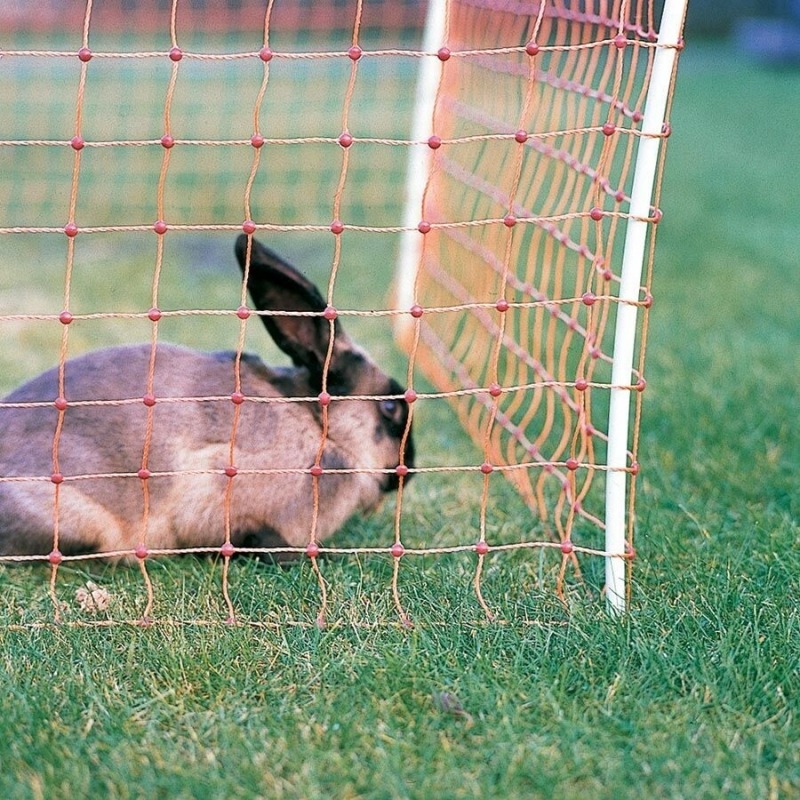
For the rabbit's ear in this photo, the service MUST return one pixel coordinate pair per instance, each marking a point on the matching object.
(275, 285)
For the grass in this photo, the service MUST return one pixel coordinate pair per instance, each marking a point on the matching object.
(695, 694)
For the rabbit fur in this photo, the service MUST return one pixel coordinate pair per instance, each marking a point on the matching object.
(105, 514)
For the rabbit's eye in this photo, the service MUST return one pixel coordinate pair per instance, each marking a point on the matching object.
(389, 408)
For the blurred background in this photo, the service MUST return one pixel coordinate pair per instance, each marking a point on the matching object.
(213, 110)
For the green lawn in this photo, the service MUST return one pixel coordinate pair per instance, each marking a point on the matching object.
(695, 694)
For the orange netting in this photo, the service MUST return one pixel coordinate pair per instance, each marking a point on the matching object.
(523, 240)
(533, 136)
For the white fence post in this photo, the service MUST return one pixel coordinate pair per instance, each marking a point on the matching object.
(419, 161)
(626, 322)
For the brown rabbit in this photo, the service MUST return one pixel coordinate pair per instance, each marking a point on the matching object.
(274, 509)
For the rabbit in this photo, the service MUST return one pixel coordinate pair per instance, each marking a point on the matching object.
(105, 514)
